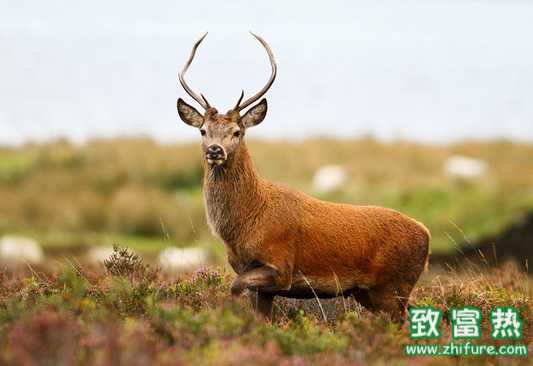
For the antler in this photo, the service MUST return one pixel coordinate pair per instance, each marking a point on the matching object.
(199, 98)
(239, 107)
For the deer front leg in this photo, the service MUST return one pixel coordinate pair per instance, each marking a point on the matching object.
(262, 303)
(270, 272)
(257, 279)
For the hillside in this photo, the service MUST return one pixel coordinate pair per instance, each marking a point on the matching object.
(147, 196)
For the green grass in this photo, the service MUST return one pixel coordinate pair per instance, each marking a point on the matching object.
(140, 193)
(459, 215)
(13, 167)
(63, 240)
(55, 243)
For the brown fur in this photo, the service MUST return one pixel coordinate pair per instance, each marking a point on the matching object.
(284, 242)
(375, 254)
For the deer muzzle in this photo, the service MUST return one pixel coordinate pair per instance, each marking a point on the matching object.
(215, 154)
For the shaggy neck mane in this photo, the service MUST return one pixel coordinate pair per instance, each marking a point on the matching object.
(233, 195)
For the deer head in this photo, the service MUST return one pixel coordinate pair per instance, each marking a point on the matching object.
(223, 133)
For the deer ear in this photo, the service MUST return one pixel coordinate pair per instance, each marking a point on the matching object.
(255, 115)
(189, 114)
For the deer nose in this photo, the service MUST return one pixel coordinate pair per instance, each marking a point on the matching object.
(215, 152)
(214, 149)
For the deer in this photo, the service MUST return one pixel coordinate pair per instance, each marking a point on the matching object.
(282, 242)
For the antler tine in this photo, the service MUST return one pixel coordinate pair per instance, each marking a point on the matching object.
(205, 100)
(255, 97)
(199, 98)
(236, 108)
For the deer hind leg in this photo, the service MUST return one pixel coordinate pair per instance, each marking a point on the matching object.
(361, 296)
(391, 299)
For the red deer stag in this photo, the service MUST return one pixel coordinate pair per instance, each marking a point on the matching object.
(286, 243)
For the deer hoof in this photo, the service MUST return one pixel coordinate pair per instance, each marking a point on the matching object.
(237, 288)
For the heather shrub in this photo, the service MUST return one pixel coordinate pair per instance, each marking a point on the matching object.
(129, 313)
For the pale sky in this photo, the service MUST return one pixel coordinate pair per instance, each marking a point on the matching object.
(421, 70)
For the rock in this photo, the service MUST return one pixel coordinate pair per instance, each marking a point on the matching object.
(329, 178)
(98, 254)
(174, 259)
(465, 168)
(17, 250)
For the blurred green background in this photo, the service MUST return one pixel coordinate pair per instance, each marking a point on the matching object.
(147, 195)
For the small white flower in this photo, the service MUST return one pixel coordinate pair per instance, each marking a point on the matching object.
(16, 250)
(174, 259)
(329, 178)
(463, 167)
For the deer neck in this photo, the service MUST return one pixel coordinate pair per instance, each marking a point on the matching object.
(233, 195)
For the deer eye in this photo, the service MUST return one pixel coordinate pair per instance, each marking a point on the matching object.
(236, 133)
(202, 132)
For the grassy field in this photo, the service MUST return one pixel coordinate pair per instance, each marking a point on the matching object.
(127, 313)
(147, 196)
